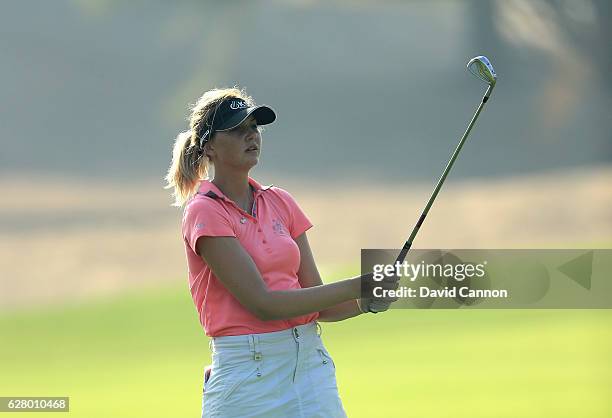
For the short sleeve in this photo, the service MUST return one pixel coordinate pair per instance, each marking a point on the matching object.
(298, 221)
(205, 217)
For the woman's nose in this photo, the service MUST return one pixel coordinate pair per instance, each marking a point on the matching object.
(252, 134)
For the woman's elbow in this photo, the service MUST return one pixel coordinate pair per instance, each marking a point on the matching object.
(263, 309)
(263, 314)
(268, 313)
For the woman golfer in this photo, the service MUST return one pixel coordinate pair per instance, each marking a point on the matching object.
(252, 275)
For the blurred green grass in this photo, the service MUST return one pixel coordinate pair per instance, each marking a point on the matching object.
(142, 355)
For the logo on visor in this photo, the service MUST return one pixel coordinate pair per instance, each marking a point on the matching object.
(238, 104)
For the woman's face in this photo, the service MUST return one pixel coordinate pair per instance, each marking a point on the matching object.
(237, 148)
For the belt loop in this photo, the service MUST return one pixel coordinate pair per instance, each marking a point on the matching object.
(257, 356)
(254, 346)
(319, 329)
(251, 339)
(210, 342)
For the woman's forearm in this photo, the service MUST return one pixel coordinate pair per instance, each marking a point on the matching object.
(285, 304)
(340, 312)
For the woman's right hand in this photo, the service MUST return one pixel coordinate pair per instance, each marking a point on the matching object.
(374, 304)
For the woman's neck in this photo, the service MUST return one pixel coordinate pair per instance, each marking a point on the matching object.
(235, 187)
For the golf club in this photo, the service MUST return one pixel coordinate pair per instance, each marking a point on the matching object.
(481, 67)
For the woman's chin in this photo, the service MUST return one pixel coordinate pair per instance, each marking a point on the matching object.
(252, 160)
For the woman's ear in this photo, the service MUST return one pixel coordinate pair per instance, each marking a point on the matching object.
(209, 150)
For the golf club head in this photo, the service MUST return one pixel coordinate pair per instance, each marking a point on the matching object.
(481, 67)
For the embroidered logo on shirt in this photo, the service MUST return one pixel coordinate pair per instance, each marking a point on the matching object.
(199, 226)
(278, 227)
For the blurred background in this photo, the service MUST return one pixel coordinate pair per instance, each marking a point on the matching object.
(371, 98)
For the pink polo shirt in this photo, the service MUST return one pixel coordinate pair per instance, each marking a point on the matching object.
(268, 237)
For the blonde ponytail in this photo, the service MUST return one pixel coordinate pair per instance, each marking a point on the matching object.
(188, 167)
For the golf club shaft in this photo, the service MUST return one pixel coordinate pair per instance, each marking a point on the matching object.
(402, 255)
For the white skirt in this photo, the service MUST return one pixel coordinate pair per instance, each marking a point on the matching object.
(285, 373)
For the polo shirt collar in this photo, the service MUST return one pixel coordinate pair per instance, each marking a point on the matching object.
(208, 188)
